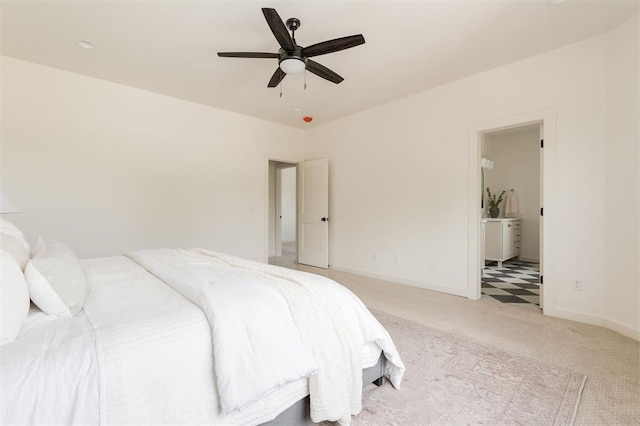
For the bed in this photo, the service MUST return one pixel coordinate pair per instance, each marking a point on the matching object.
(193, 336)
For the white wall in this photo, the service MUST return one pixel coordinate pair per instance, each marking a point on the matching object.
(399, 175)
(517, 166)
(621, 248)
(108, 168)
(288, 195)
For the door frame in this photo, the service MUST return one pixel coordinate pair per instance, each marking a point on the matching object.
(278, 225)
(548, 120)
(294, 163)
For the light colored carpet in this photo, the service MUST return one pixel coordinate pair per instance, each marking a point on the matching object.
(610, 361)
(450, 380)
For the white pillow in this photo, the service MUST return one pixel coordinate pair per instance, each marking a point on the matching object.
(39, 249)
(14, 298)
(13, 242)
(57, 283)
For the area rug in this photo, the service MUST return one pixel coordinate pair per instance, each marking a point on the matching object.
(452, 381)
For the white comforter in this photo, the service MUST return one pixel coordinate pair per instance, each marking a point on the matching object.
(338, 328)
(245, 304)
(256, 345)
(144, 356)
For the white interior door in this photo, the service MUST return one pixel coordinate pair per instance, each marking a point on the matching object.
(313, 213)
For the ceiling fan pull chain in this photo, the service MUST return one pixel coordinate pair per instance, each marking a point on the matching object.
(305, 79)
(280, 89)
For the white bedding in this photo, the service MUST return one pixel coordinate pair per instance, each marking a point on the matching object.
(50, 372)
(158, 365)
(256, 346)
(252, 309)
(140, 349)
(335, 324)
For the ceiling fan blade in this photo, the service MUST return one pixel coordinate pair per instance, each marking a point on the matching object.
(276, 78)
(278, 29)
(334, 45)
(324, 72)
(248, 55)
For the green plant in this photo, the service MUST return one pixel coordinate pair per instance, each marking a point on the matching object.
(491, 199)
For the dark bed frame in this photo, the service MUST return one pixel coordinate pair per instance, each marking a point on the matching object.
(300, 413)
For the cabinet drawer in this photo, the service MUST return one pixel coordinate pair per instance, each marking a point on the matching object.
(516, 235)
(517, 232)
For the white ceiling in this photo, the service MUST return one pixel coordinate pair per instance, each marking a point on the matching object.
(170, 47)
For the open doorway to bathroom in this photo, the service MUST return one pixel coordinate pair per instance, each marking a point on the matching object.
(510, 209)
(282, 213)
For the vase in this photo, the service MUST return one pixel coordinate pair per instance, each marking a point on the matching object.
(494, 212)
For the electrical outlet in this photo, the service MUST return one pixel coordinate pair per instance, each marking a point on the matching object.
(577, 285)
(396, 259)
(374, 257)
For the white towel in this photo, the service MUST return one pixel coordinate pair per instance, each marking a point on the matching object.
(511, 205)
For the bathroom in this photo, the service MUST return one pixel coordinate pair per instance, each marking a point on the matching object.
(511, 162)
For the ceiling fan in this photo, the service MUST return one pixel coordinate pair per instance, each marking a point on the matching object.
(293, 59)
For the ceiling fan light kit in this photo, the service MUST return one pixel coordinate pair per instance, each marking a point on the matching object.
(293, 59)
(292, 65)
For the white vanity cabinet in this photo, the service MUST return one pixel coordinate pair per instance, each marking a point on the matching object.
(502, 239)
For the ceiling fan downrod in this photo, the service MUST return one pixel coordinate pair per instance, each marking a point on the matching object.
(293, 24)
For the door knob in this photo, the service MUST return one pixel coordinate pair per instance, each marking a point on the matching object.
(325, 219)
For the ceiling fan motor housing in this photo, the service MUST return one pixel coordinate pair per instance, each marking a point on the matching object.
(292, 54)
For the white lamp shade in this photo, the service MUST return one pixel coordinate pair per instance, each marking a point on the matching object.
(6, 205)
(292, 66)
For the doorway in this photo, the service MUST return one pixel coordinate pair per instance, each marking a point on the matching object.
(283, 247)
(547, 121)
(308, 193)
(510, 211)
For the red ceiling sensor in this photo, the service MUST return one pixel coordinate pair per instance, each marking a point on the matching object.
(307, 119)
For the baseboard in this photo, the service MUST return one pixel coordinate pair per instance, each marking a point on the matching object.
(405, 281)
(530, 259)
(564, 313)
(623, 329)
(613, 325)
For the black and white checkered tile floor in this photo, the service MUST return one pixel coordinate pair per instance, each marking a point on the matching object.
(516, 283)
